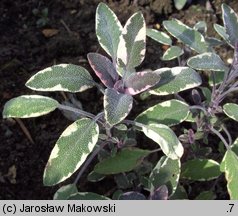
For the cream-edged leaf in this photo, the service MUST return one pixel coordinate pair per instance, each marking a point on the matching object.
(231, 110)
(159, 36)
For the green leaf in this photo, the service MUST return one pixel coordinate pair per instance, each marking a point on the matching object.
(207, 61)
(179, 4)
(166, 139)
(172, 53)
(179, 194)
(166, 172)
(131, 48)
(124, 161)
(187, 35)
(231, 110)
(71, 150)
(116, 105)
(219, 77)
(230, 20)
(65, 192)
(95, 177)
(169, 112)
(174, 80)
(222, 32)
(201, 26)
(213, 41)
(159, 36)
(229, 165)
(234, 146)
(108, 29)
(205, 195)
(62, 77)
(87, 196)
(200, 169)
(27, 106)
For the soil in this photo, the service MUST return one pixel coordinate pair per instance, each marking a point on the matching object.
(31, 41)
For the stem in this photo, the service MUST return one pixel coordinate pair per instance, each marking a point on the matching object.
(227, 133)
(220, 136)
(227, 92)
(75, 110)
(156, 150)
(89, 160)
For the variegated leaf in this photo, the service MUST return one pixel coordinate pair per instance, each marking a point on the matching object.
(169, 112)
(140, 81)
(230, 19)
(201, 26)
(166, 172)
(166, 138)
(212, 41)
(187, 35)
(116, 106)
(27, 106)
(172, 53)
(159, 36)
(65, 192)
(62, 77)
(222, 32)
(200, 170)
(176, 79)
(71, 150)
(229, 165)
(207, 61)
(231, 110)
(87, 196)
(131, 49)
(103, 68)
(179, 4)
(108, 29)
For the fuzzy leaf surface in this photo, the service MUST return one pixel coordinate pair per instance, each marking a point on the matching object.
(174, 80)
(166, 172)
(103, 68)
(172, 53)
(187, 35)
(116, 105)
(27, 106)
(207, 61)
(62, 77)
(169, 112)
(140, 81)
(65, 192)
(166, 138)
(71, 150)
(131, 48)
(159, 36)
(108, 29)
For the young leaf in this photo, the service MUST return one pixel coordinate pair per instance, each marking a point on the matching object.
(200, 170)
(159, 36)
(207, 61)
(179, 194)
(108, 29)
(71, 150)
(179, 4)
(116, 105)
(230, 20)
(222, 32)
(166, 139)
(219, 77)
(229, 165)
(160, 194)
(124, 161)
(187, 35)
(27, 106)
(174, 80)
(131, 48)
(140, 81)
(169, 112)
(87, 196)
(172, 53)
(231, 110)
(201, 26)
(132, 196)
(65, 192)
(103, 68)
(166, 172)
(95, 177)
(62, 77)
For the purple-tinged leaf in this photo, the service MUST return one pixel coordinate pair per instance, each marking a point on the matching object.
(140, 82)
(132, 196)
(103, 68)
(160, 194)
(116, 105)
